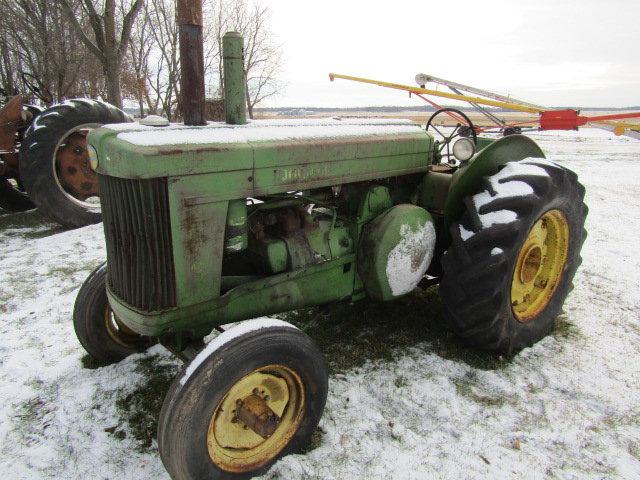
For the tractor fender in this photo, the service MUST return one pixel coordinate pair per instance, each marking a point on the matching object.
(466, 181)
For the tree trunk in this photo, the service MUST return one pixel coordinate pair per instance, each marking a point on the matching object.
(248, 98)
(141, 103)
(112, 80)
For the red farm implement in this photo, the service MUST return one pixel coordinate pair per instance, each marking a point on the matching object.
(542, 118)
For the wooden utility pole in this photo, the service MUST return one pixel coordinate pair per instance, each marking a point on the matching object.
(191, 61)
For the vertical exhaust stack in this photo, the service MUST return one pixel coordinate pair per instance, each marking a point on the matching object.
(236, 234)
(189, 14)
(234, 86)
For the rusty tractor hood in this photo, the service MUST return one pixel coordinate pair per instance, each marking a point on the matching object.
(267, 156)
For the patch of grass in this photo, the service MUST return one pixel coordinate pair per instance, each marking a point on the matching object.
(351, 334)
(623, 420)
(634, 450)
(467, 387)
(31, 224)
(140, 409)
(62, 271)
(565, 329)
(400, 381)
(32, 418)
(91, 363)
(316, 441)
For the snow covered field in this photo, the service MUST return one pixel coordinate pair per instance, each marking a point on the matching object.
(401, 405)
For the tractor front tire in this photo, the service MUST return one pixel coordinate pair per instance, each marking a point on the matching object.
(253, 395)
(12, 198)
(99, 331)
(513, 256)
(39, 170)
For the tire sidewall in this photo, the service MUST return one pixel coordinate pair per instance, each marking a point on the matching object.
(89, 320)
(188, 408)
(38, 151)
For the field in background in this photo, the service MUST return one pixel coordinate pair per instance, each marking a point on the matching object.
(422, 117)
(406, 400)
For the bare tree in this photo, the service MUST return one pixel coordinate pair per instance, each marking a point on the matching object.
(9, 63)
(141, 44)
(166, 75)
(155, 58)
(262, 59)
(34, 39)
(102, 38)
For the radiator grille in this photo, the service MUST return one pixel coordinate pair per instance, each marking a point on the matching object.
(138, 235)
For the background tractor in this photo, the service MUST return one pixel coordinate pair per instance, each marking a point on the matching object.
(211, 224)
(43, 157)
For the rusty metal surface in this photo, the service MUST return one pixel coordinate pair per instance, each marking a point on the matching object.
(191, 61)
(254, 412)
(73, 170)
(10, 121)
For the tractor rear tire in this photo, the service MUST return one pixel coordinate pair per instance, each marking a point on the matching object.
(12, 198)
(98, 330)
(38, 153)
(201, 432)
(513, 256)
(34, 110)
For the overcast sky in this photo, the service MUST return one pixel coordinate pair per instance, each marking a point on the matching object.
(562, 52)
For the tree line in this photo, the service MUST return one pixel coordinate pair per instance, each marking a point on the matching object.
(127, 49)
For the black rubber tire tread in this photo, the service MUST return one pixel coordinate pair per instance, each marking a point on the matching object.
(89, 322)
(476, 285)
(12, 199)
(35, 111)
(187, 409)
(37, 153)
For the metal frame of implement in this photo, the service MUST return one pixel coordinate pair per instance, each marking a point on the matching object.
(548, 119)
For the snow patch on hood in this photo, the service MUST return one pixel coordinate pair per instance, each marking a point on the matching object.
(402, 272)
(194, 136)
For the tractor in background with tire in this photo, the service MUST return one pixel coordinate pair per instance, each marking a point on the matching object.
(43, 157)
(208, 225)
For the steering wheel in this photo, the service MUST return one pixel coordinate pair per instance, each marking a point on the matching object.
(32, 83)
(465, 129)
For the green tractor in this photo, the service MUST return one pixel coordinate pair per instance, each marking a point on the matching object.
(211, 225)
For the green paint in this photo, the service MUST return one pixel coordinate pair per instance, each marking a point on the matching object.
(236, 238)
(379, 238)
(466, 181)
(273, 294)
(433, 191)
(234, 79)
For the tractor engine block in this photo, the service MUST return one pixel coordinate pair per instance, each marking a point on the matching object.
(294, 237)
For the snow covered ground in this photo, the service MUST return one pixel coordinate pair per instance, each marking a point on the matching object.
(567, 408)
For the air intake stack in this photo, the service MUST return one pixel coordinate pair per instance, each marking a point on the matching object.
(234, 85)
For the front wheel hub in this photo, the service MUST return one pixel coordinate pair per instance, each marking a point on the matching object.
(256, 419)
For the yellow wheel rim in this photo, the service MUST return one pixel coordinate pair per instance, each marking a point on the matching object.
(235, 445)
(540, 264)
(119, 332)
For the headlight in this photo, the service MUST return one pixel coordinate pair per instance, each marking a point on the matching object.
(93, 157)
(463, 149)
